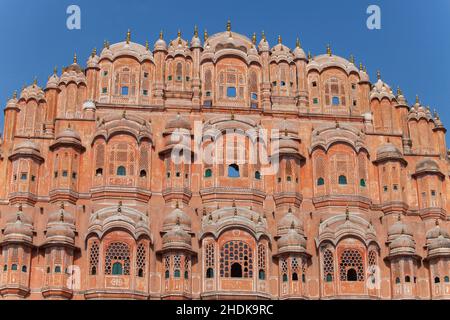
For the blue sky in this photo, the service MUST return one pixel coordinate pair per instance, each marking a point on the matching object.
(412, 49)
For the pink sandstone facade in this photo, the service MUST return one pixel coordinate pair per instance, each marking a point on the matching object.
(94, 207)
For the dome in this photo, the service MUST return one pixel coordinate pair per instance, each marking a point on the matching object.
(178, 123)
(73, 73)
(177, 217)
(398, 229)
(299, 53)
(177, 238)
(403, 243)
(286, 223)
(19, 227)
(438, 241)
(33, 92)
(292, 241)
(427, 165)
(388, 151)
(195, 41)
(437, 232)
(160, 44)
(178, 46)
(264, 45)
(324, 61)
(53, 81)
(93, 60)
(61, 227)
(68, 133)
(27, 146)
(381, 90)
(281, 53)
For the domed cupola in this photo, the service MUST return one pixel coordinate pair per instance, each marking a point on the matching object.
(32, 92)
(363, 75)
(195, 41)
(388, 152)
(427, 166)
(401, 100)
(27, 148)
(53, 80)
(418, 111)
(60, 228)
(401, 239)
(381, 90)
(68, 137)
(299, 53)
(263, 44)
(12, 103)
(93, 60)
(281, 53)
(177, 239)
(438, 241)
(285, 224)
(292, 242)
(177, 217)
(178, 123)
(19, 228)
(179, 46)
(73, 73)
(160, 44)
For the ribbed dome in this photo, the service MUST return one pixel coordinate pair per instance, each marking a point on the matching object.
(427, 165)
(388, 151)
(27, 147)
(177, 217)
(299, 53)
(178, 123)
(286, 223)
(437, 232)
(68, 133)
(53, 81)
(19, 227)
(381, 90)
(61, 227)
(177, 238)
(399, 228)
(160, 44)
(291, 241)
(403, 242)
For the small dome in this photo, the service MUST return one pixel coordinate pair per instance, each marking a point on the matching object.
(281, 52)
(53, 81)
(160, 44)
(68, 133)
(403, 242)
(93, 60)
(299, 53)
(27, 146)
(177, 217)
(61, 227)
(427, 165)
(177, 238)
(291, 241)
(19, 227)
(32, 92)
(178, 123)
(381, 90)
(286, 223)
(399, 228)
(388, 151)
(437, 232)
(263, 45)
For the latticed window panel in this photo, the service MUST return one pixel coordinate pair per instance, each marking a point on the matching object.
(328, 265)
(177, 262)
(187, 264)
(284, 267)
(295, 265)
(372, 258)
(262, 257)
(351, 259)
(236, 252)
(209, 255)
(141, 259)
(117, 252)
(93, 258)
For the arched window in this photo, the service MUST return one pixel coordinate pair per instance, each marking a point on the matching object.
(258, 175)
(437, 280)
(294, 276)
(343, 180)
(176, 273)
(124, 91)
(93, 258)
(362, 183)
(352, 275)
(143, 174)
(117, 259)
(446, 279)
(93, 271)
(14, 267)
(303, 278)
(210, 273)
(141, 260)
(208, 173)
(262, 275)
(285, 277)
(351, 266)
(5, 267)
(58, 269)
(233, 171)
(140, 273)
(328, 265)
(99, 172)
(121, 171)
(24, 269)
(397, 280)
(335, 101)
(186, 275)
(117, 269)
(167, 274)
(320, 182)
(407, 279)
(232, 254)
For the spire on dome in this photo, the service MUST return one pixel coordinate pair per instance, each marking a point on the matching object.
(378, 75)
(263, 36)
(360, 66)
(205, 35)
(196, 31)
(94, 52)
(75, 59)
(309, 55)
(147, 45)
(297, 43)
(229, 25)
(128, 39)
(15, 94)
(329, 50)
(35, 81)
(399, 91)
(254, 38)
(279, 39)
(161, 35)
(352, 59)
(417, 99)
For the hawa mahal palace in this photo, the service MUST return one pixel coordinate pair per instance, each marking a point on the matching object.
(93, 205)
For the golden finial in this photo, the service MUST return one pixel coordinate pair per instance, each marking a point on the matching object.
(229, 25)
(55, 70)
(297, 43)
(309, 55)
(75, 59)
(196, 31)
(263, 35)
(161, 35)
(128, 36)
(399, 91)
(105, 44)
(35, 81)
(365, 69)
(360, 66)
(179, 34)
(352, 59)
(329, 50)
(417, 99)
(15, 94)
(94, 52)
(378, 75)
(279, 39)
(254, 38)
(147, 45)
(205, 35)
